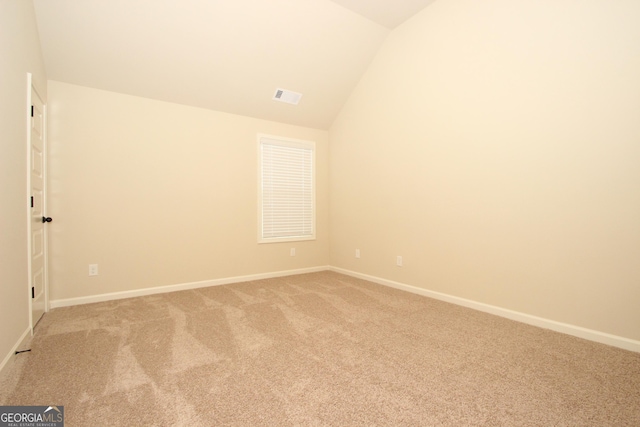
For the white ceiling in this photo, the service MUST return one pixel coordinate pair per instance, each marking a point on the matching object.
(388, 13)
(226, 55)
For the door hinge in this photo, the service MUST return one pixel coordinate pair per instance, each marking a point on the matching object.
(33, 292)
(32, 111)
(31, 201)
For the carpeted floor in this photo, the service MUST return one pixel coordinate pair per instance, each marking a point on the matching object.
(319, 349)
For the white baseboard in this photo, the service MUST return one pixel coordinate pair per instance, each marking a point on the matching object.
(565, 328)
(17, 345)
(577, 331)
(179, 287)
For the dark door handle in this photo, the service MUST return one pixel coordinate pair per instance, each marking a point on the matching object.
(46, 219)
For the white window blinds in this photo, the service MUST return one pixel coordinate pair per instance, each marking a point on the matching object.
(287, 190)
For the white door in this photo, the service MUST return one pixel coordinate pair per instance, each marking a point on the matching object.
(38, 220)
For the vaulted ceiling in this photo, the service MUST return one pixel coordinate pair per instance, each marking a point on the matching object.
(225, 55)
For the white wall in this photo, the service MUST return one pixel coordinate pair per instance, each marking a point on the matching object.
(495, 145)
(20, 54)
(161, 194)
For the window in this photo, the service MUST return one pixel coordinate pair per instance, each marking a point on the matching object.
(286, 191)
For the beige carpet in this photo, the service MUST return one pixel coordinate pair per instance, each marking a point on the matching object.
(315, 350)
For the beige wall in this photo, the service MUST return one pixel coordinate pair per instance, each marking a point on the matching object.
(160, 194)
(19, 54)
(495, 145)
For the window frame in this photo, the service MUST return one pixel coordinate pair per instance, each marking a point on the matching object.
(294, 143)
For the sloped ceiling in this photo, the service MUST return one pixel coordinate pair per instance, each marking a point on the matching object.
(225, 55)
(387, 13)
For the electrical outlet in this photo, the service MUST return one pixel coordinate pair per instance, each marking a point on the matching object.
(399, 261)
(357, 253)
(292, 252)
(93, 269)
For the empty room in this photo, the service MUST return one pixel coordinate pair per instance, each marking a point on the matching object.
(320, 212)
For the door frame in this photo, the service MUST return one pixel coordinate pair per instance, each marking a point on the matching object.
(31, 88)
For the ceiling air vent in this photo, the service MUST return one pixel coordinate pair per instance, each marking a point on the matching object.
(287, 96)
